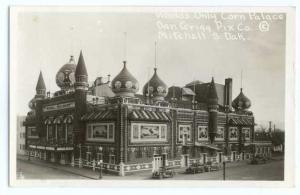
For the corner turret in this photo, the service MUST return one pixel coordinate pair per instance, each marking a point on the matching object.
(212, 104)
(81, 76)
(40, 86)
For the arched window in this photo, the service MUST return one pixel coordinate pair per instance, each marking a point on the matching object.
(68, 128)
(58, 128)
(49, 129)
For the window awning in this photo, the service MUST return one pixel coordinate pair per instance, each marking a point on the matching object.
(48, 121)
(57, 120)
(240, 121)
(98, 115)
(69, 119)
(149, 115)
(211, 146)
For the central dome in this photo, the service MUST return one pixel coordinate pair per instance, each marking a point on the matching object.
(241, 102)
(65, 77)
(124, 84)
(156, 87)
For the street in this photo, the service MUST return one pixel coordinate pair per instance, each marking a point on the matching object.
(272, 170)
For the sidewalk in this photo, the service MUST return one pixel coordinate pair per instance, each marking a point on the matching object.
(84, 172)
(90, 174)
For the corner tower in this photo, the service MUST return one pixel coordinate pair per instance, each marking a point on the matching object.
(40, 87)
(81, 76)
(81, 87)
(40, 91)
(212, 104)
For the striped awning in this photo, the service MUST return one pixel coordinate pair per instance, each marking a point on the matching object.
(48, 121)
(69, 119)
(210, 146)
(149, 115)
(240, 121)
(58, 120)
(98, 115)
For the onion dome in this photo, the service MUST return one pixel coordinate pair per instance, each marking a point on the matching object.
(124, 84)
(212, 96)
(241, 102)
(65, 77)
(155, 87)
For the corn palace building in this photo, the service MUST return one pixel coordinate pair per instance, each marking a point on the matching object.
(81, 124)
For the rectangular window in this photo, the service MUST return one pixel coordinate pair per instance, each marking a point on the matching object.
(60, 132)
(220, 133)
(135, 131)
(99, 156)
(163, 132)
(112, 159)
(142, 132)
(202, 133)
(184, 130)
(110, 132)
(233, 133)
(32, 132)
(89, 156)
(246, 132)
(100, 132)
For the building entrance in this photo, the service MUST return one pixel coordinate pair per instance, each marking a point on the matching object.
(185, 160)
(220, 157)
(157, 162)
(233, 156)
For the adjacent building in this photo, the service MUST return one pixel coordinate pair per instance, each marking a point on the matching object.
(164, 126)
(21, 150)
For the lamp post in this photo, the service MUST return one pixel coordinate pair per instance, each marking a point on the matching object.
(224, 167)
(100, 163)
(28, 154)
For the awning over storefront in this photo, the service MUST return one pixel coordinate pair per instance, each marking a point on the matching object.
(52, 148)
(210, 146)
(258, 144)
(48, 121)
(98, 115)
(69, 119)
(149, 115)
(58, 120)
(240, 121)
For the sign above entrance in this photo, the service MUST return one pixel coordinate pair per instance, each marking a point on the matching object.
(59, 106)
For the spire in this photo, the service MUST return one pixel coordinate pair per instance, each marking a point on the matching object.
(155, 64)
(125, 46)
(241, 80)
(40, 84)
(212, 95)
(81, 69)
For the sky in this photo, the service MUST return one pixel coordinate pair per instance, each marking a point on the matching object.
(45, 41)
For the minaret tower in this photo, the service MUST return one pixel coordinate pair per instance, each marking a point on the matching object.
(40, 87)
(81, 76)
(40, 92)
(81, 87)
(212, 103)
